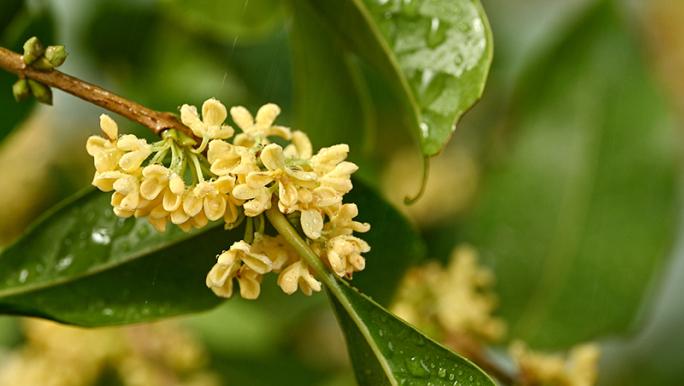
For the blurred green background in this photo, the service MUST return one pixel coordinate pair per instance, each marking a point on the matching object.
(565, 177)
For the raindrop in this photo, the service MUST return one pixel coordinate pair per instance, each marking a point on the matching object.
(100, 236)
(471, 378)
(39, 268)
(451, 377)
(460, 372)
(441, 372)
(437, 33)
(68, 241)
(23, 275)
(107, 312)
(417, 368)
(424, 129)
(65, 263)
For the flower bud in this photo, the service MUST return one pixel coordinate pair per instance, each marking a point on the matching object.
(41, 92)
(21, 90)
(32, 50)
(42, 64)
(56, 55)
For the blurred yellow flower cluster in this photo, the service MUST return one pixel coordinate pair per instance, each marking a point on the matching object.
(454, 304)
(159, 354)
(190, 184)
(451, 301)
(579, 368)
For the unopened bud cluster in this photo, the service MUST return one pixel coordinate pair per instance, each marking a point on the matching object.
(189, 184)
(41, 59)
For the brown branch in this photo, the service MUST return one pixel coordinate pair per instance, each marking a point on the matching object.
(155, 120)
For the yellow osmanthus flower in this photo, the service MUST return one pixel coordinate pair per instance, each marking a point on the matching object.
(579, 368)
(451, 301)
(105, 152)
(191, 185)
(214, 114)
(160, 354)
(240, 263)
(256, 131)
(298, 274)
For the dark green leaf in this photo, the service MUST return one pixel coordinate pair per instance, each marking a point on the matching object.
(434, 53)
(583, 210)
(328, 103)
(395, 244)
(387, 351)
(23, 25)
(83, 265)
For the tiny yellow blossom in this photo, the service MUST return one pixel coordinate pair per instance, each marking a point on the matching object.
(257, 199)
(226, 158)
(211, 125)
(104, 150)
(300, 147)
(343, 255)
(257, 131)
(289, 180)
(298, 275)
(242, 263)
(137, 151)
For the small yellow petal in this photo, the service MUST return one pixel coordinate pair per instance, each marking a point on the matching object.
(109, 127)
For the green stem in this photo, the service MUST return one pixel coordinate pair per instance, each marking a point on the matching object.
(332, 282)
(289, 233)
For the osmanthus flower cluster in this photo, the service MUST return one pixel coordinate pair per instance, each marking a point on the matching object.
(190, 184)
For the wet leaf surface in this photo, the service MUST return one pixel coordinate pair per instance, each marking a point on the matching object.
(434, 53)
(387, 351)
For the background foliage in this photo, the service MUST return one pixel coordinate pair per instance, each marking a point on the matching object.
(572, 158)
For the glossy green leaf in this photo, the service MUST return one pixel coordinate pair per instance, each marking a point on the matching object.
(581, 213)
(83, 265)
(227, 20)
(25, 24)
(434, 53)
(387, 351)
(395, 244)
